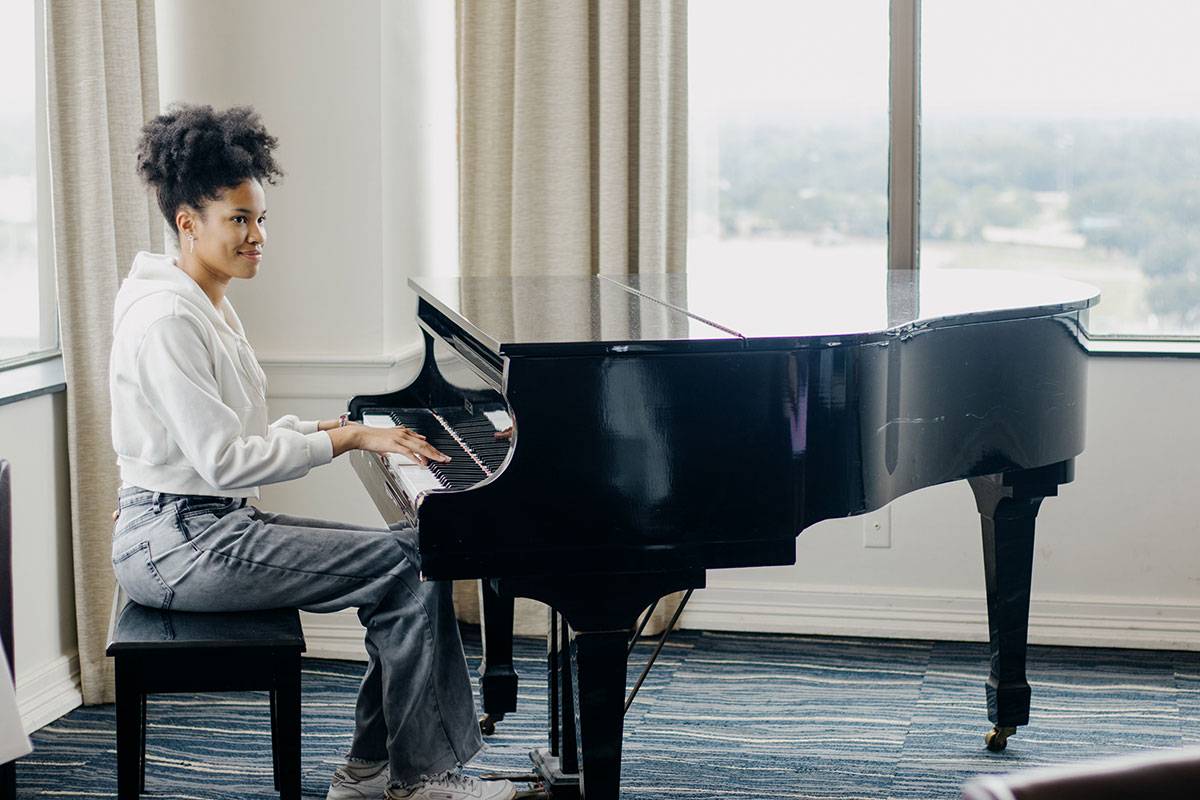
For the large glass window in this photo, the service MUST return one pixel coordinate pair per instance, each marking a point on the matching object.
(27, 318)
(1064, 136)
(788, 134)
(1058, 136)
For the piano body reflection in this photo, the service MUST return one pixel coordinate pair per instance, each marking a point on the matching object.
(665, 425)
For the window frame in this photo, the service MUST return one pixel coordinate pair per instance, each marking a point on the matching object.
(904, 135)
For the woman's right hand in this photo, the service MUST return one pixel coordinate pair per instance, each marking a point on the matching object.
(386, 440)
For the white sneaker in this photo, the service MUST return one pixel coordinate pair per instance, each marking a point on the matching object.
(452, 785)
(345, 786)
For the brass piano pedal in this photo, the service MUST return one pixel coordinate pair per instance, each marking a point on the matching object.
(997, 738)
(522, 777)
(536, 790)
(487, 725)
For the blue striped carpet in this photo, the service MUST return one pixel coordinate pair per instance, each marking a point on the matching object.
(722, 716)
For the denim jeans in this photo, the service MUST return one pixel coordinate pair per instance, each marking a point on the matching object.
(415, 708)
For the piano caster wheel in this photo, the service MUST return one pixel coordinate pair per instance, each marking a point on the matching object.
(487, 725)
(997, 738)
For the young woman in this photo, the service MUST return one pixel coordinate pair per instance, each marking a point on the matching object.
(190, 430)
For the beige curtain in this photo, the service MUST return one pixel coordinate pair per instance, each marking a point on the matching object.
(572, 136)
(572, 150)
(102, 84)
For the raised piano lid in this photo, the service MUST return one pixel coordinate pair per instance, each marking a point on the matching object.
(773, 307)
(561, 314)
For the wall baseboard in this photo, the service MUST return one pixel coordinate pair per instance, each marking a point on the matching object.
(850, 611)
(49, 691)
(1090, 622)
(338, 635)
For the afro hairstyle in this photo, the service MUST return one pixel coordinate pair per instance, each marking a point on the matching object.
(190, 154)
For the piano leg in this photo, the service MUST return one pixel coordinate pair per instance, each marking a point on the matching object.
(599, 661)
(601, 611)
(498, 679)
(1008, 504)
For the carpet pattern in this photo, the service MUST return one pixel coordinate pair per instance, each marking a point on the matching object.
(723, 715)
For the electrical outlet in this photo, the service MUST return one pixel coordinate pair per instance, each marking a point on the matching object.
(877, 528)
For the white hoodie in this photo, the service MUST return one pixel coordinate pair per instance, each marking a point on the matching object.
(189, 405)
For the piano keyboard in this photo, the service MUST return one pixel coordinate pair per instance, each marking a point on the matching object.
(469, 439)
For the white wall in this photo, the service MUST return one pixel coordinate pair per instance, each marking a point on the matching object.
(33, 437)
(312, 70)
(361, 97)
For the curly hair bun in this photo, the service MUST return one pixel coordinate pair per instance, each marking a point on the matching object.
(191, 153)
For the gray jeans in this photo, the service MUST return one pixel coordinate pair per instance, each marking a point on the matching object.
(415, 707)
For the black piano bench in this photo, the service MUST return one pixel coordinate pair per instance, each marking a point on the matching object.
(156, 651)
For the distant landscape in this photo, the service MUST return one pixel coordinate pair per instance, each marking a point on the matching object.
(1111, 202)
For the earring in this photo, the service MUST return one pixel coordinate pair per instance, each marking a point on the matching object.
(191, 243)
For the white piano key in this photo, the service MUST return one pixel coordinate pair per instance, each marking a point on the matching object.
(401, 460)
(500, 419)
(417, 480)
(412, 476)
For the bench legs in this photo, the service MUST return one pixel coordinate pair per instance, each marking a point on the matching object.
(8, 781)
(142, 750)
(132, 689)
(285, 729)
(130, 731)
(274, 743)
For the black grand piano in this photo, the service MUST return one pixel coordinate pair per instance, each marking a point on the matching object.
(665, 425)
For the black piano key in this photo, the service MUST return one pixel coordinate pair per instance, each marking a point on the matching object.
(478, 432)
(473, 429)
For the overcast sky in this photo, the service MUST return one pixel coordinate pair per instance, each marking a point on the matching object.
(1016, 57)
(16, 54)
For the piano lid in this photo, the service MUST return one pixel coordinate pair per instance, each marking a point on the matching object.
(774, 307)
(566, 314)
(734, 309)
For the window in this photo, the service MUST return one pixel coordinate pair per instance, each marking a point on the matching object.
(28, 323)
(1067, 139)
(788, 132)
(1061, 137)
